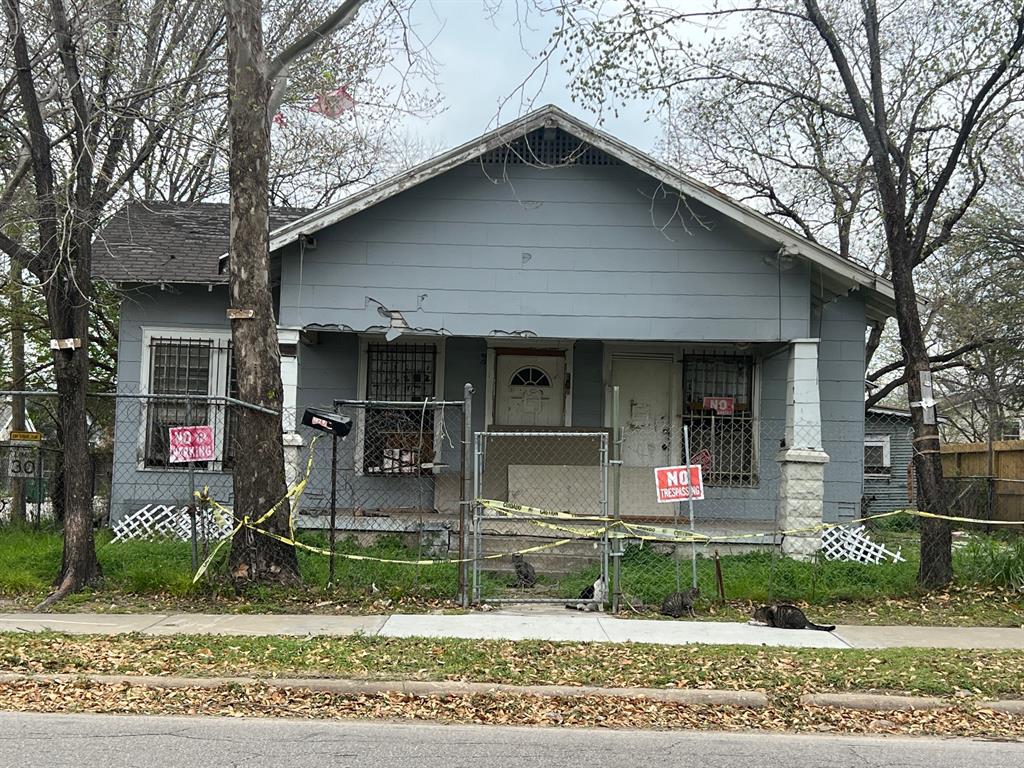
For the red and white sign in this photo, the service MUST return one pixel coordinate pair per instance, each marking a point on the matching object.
(723, 406)
(679, 483)
(704, 458)
(191, 444)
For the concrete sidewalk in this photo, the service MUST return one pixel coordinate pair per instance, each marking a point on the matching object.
(527, 624)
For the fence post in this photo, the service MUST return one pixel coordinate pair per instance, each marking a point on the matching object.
(689, 500)
(39, 487)
(618, 545)
(467, 492)
(333, 535)
(190, 506)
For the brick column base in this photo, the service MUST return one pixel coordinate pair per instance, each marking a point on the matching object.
(801, 499)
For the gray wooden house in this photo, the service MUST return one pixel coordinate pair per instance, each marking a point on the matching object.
(888, 455)
(543, 263)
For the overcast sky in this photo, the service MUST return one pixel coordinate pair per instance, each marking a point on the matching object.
(481, 62)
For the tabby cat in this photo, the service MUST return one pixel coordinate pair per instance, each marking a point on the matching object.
(786, 616)
(526, 577)
(676, 604)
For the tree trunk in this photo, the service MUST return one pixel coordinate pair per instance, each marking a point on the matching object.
(17, 383)
(68, 312)
(936, 568)
(259, 479)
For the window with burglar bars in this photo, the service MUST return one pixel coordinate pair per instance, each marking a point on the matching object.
(720, 440)
(188, 366)
(399, 440)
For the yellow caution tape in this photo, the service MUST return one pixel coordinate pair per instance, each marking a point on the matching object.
(620, 529)
(294, 493)
(613, 528)
(520, 510)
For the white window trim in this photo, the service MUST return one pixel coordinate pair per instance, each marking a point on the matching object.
(885, 442)
(361, 371)
(172, 332)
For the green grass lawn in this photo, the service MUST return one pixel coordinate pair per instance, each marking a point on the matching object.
(156, 575)
(778, 670)
(29, 561)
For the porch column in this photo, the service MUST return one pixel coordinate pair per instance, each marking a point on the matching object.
(802, 459)
(288, 339)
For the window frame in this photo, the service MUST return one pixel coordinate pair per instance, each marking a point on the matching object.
(885, 443)
(751, 418)
(219, 371)
(362, 380)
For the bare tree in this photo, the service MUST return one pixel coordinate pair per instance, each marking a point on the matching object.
(257, 86)
(887, 108)
(314, 160)
(99, 104)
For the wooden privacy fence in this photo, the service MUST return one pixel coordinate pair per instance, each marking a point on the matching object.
(1002, 473)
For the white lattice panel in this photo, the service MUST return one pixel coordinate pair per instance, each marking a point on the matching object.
(163, 521)
(845, 543)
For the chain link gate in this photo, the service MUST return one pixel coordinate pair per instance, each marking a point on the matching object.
(545, 470)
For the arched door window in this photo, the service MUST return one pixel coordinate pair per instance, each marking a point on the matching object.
(530, 376)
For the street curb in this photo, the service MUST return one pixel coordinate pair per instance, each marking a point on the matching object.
(871, 702)
(715, 698)
(1007, 706)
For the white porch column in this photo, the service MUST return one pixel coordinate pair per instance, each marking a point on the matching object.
(288, 338)
(802, 460)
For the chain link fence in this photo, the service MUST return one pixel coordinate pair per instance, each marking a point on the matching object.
(393, 490)
(520, 555)
(395, 499)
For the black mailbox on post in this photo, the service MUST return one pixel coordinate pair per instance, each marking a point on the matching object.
(336, 426)
(327, 421)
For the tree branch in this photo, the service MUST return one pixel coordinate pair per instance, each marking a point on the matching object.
(945, 357)
(978, 104)
(277, 70)
(881, 393)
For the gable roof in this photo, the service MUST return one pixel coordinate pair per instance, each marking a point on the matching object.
(836, 276)
(155, 242)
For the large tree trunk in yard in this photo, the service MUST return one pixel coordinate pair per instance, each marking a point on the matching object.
(68, 310)
(259, 479)
(936, 568)
(17, 382)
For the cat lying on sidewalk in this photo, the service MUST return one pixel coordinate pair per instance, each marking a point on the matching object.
(786, 616)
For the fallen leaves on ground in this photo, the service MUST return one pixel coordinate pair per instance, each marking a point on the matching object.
(955, 606)
(495, 709)
(779, 671)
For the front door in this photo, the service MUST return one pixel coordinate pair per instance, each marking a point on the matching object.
(645, 406)
(529, 390)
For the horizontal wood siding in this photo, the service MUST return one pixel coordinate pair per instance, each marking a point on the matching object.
(184, 307)
(572, 252)
(841, 327)
(886, 494)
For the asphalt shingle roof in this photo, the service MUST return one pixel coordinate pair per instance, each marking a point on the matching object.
(155, 242)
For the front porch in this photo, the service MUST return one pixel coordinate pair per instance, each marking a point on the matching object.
(734, 399)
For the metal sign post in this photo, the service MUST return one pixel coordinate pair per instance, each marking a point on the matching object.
(336, 426)
(689, 500)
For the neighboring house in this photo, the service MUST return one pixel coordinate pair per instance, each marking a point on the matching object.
(888, 453)
(543, 263)
(7, 420)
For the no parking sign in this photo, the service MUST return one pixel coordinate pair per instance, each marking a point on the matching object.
(191, 444)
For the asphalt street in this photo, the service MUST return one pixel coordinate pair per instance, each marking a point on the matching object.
(54, 741)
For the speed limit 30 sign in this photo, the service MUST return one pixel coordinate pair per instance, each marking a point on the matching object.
(23, 462)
